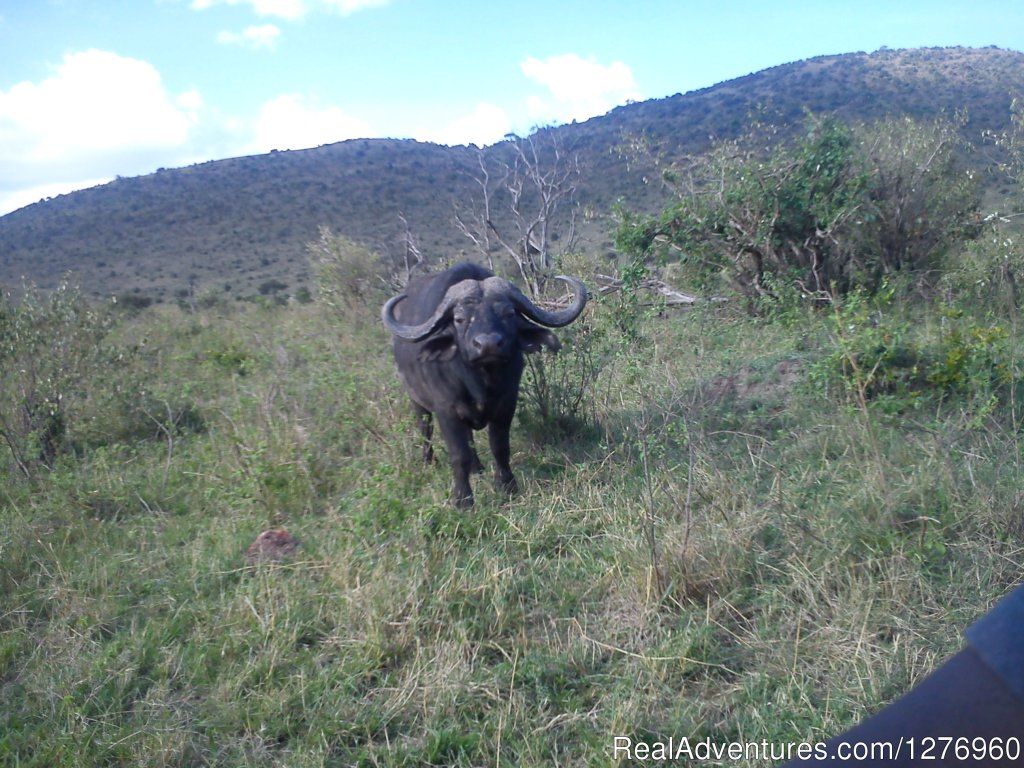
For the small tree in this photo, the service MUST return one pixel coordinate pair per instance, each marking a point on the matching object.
(921, 201)
(1010, 143)
(827, 213)
(49, 345)
(989, 270)
(536, 178)
(755, 213)
(538, 184)
(349, 278)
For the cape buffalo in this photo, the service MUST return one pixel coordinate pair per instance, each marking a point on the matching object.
(459, 339)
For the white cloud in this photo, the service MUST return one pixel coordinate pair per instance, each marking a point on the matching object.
(97, 114)
(191, 102)
(347, 7)
(94, 102)
(577, 88)
(13, 200)
(284, 9)
(263, 36)
(294, 9)
(292, 122)
(486, 124)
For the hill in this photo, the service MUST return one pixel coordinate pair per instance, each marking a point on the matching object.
(237, 224)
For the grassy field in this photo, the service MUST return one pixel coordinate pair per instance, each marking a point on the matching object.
(752, 529)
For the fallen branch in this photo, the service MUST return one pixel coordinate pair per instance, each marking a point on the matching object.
(609, 284)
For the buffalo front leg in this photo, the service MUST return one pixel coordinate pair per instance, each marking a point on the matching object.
(497, 434)
(458, 439)
(466, 414)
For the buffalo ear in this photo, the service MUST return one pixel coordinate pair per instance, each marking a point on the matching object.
(532, 338)
(440, 348)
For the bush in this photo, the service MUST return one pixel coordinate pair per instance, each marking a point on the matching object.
(748, 212)
(559, 392)
(349, 278)
(970, 358)
(837, 210)
(50, 345)
(880, 358)
(921, 203)
(987, 272)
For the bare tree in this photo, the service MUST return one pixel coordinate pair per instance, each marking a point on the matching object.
(412, 255)
(538, 184)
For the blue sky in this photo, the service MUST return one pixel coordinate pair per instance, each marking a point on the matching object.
(93, 89)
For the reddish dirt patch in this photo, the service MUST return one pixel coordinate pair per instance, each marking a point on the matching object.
(271, 546)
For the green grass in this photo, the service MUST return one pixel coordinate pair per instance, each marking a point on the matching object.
(723, 550)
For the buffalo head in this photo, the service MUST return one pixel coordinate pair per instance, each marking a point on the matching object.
(485, 321)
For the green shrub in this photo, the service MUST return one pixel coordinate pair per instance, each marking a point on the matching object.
(876, 356)
(51, 345)
(350, 279)
(988, 272)
(970, 358)
(559, 394)
(840, 208)
(559, 390)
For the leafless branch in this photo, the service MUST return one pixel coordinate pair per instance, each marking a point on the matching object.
(608, 284)
(537, 185)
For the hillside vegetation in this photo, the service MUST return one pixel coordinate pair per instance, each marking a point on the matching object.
(237, 226)
(750, 520)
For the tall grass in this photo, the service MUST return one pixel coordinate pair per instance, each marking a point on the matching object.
(727, 548)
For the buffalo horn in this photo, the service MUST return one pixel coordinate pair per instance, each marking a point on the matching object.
(555, 319)
(424, 329)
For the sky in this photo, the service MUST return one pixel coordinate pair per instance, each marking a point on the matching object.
(95, 89)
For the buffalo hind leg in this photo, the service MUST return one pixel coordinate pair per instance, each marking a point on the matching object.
(426, 425)
(476, 466)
